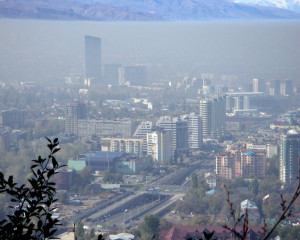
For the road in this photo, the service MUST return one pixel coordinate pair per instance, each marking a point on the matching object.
(133, 207)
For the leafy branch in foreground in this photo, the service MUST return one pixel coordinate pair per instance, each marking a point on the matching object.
(286, 212)
(31, 204)
(243, 217)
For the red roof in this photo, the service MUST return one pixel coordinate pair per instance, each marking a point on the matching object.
(181, 232)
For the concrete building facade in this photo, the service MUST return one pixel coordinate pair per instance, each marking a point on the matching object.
(213, 113)
(159, 145)
(92, 58)
(289, 157)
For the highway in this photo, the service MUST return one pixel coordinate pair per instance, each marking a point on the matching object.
(157, 197)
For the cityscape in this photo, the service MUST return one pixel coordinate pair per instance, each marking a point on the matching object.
(152, 150)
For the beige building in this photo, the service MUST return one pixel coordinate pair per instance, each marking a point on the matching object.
(225, 165)
(241, 163)
(127, 145)
(159, 145)
(253, 164)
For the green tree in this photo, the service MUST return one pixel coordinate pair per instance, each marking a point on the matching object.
(150, 227)
(200, 220)
(79, 231)
(86, 175)
(136, 232)
(289, 232)
(194, 181)
(164, 224)
(81, 179)
(112, 178)
(254, 186)
(63, 196)
(90, 234)
(31, 217)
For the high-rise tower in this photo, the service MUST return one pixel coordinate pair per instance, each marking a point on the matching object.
(92, 58)
(159, 145)
(182, 136)
(213, 112)
(289, 155)
(258, 85)
(74, 111)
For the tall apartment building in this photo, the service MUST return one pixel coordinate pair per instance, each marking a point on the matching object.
(92, 58)
(253, 164)
(195, 131)
(275, 87)
(133, 75)
(195, 139)
(241, 163)
(74, 112)
(213, 112)
(141, 132)
(286, 87)
(240, 102)
(258, 85)
(159, 145)
(225, 165)
(13, 118)
(289, 157)
(127, 145)
(104, 128)
(194, 128)
(182, 136)
(168, 124)
(111, 74)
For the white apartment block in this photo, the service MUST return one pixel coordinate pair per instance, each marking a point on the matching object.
(159, 145)
(141, 132)
(127, 145)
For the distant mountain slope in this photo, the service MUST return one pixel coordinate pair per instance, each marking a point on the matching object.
(139, 10)
(292, 5)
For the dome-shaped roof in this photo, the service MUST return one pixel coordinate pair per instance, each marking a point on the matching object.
(292, 132)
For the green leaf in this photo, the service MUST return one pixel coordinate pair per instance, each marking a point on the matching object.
(10, 181)
(34, 166)
(56, 150)
(54, 162)
(50, 173)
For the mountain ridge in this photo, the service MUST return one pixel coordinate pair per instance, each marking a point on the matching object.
(140, 10)
(291, 5)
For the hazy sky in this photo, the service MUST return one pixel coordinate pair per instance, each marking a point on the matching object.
(33, 50)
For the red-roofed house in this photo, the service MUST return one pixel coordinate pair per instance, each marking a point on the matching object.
(197, 232)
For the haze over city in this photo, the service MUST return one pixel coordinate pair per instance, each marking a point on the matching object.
(48, 50)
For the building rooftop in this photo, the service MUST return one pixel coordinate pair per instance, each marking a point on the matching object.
(121, 236)
(248, 204)
(100, 156)
(292, 132)
(77, 165)
(250, 153)
(196, 232)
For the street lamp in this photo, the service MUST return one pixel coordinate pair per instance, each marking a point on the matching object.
(124, 214)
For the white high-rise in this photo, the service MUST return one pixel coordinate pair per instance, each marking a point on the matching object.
(159, 145)
(141, 132)
(194, 131)
(194, 125)
(169, 125)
